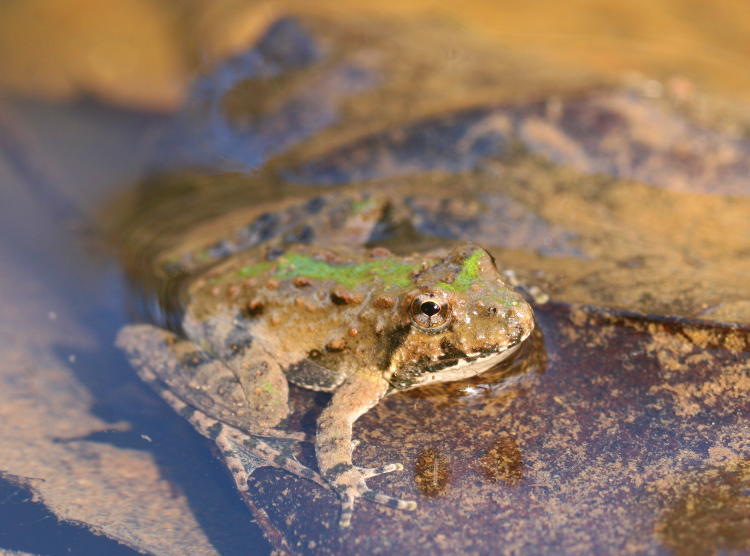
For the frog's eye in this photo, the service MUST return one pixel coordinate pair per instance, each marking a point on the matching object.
(429, 313)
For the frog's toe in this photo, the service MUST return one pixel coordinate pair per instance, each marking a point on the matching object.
(375, 471)
(348, 499)
(350, 485)
(390, 501)
(347, 510)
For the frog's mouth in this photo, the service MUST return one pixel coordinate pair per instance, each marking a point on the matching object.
(477, 362)
(452, 369)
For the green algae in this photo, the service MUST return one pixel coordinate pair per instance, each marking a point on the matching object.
(268, 387)
(390, 271)
(510, 299)
(468, 275)
(359, 207)
(203, 256)
(253, 270)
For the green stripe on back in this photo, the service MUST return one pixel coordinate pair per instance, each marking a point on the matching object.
(390, 271)
(468, 275)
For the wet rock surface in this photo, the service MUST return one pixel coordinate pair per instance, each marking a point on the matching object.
(83, 472)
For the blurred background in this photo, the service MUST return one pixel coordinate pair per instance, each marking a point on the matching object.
(141, 54)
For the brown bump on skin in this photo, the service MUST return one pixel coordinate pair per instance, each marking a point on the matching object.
(476, 287)
(254, 307)
(250, 283)
(340, 296)
(258, 391)
(272, 284)
(353, 332)
(275, 320)
(215, 291)
(378, 252)
(431, 471)
(336, 345)
(503, 461)
(384, 302)
(233, 290)
(300, 302)
(301, 281)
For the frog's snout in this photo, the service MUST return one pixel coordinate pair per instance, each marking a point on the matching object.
(519, 323)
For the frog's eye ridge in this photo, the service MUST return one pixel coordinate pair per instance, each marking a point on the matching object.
(429, 313)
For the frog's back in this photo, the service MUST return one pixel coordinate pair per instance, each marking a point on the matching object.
(330, 306)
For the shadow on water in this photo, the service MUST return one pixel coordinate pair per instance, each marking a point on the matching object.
(73, 269)
(184, 457)
(28, 526)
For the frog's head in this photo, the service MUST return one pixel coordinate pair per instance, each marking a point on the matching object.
(459, 320)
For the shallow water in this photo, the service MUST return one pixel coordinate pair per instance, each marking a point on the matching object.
(621, 427)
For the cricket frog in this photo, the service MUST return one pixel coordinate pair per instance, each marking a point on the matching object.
(361, 323)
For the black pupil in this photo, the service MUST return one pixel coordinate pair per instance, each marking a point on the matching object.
(430, 308)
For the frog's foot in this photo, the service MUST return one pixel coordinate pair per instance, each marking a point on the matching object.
(349, 483)
(242, 452)
(245, 453)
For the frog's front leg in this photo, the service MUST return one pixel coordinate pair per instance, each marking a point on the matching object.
(333, 444)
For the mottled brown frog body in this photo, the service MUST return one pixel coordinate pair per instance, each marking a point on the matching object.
(361, 323)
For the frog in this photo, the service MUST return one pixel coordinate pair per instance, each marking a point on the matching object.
(353, 320)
